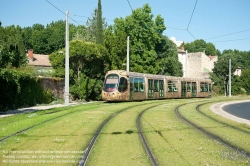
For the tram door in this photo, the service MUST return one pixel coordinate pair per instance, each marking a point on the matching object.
(150, 88)
(194, 89)
(131, 80)
(161, 88)
(183, 89)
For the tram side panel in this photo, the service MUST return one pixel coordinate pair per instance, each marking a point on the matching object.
(173, 88)
(137, 88)
(204, 88)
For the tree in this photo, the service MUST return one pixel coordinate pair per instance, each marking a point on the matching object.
(87, 68)
(148, 54)
(12, 49)
(200, 45)
(245, 79)
(99, 25)
(95, 27)
(221, 71)
(167, 58)
(39, 39)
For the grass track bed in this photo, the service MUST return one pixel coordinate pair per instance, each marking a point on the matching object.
(172, 141)
(119, 142)
(69, 133)
(225, 132)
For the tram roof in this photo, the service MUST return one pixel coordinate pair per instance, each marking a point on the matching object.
(136, 74)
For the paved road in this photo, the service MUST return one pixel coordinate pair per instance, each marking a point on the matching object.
(217, 108)
(241, 110)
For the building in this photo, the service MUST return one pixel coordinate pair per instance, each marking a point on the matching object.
(183, 57)
(196, 65)
(40, 62)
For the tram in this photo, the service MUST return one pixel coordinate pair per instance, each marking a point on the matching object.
(121, 85)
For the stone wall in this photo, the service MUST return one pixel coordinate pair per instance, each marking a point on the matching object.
(55, 85)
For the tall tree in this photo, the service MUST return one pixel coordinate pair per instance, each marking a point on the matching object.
(147, 44)
(99, 25)
(95, 26)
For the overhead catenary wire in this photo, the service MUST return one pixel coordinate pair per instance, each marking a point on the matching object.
(192, 14)
(233, 33)
(62, 12)
(187, 29)
(231, 40)
(130, 5)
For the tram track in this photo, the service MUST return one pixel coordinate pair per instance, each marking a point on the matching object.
(210, 134)
(218, 121)
(36, 111)
(85, 157)
(35, 125)
(143, 139)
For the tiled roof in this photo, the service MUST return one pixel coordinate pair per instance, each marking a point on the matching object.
(40, 60)
(181, 51)
(212, 57)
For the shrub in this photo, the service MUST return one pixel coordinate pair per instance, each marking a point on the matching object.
(19, 89)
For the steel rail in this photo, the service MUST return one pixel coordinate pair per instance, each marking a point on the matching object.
(43, 122)
(218, 121)
(211, 135)
(84, 158)
(143, 139)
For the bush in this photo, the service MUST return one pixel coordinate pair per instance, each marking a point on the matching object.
(20, 89)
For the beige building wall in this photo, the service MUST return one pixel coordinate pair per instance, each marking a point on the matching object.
(199, 65)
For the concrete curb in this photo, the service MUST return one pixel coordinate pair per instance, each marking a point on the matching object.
(217, 108)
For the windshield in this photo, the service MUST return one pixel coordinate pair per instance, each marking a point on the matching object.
(111, 83)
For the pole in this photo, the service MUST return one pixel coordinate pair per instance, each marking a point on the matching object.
(229, 79)
(128, 54)
(66, 91)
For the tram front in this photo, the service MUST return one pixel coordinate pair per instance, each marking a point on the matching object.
(115, 88)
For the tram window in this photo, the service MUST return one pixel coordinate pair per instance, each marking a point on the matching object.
(161, 85)
(188, 86)
(138, 85)
(156, 85)
(141, 85)
(204, 87)
(172, 86)
(123, 84)
(111, 83)
(210, 88)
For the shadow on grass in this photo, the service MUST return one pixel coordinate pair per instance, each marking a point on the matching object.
(127, 132)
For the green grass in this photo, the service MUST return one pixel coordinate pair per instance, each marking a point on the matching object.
(172, 141)
(69, 133)
(175, 143)
(12, 124)
(119, 142)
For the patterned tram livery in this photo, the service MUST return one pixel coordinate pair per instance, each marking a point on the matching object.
(120, 85)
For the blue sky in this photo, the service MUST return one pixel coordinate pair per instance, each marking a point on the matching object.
(211, 18)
